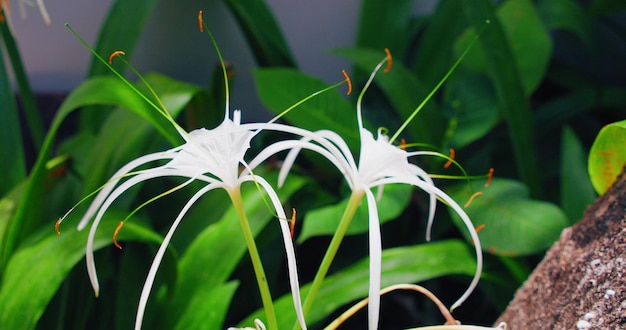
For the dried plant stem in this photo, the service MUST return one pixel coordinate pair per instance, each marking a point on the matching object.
(350, 312)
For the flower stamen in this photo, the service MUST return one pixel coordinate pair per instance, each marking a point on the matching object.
(200, 22)
(117, 231)
(479, 228)
(389, 60)
(56, 227)
(450, 160)
(114, 54)
(292, 223)
(348, 81)
(476, 194)
(489, 178)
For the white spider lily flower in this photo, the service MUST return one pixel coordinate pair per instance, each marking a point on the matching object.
(380, 163)
(212, 156)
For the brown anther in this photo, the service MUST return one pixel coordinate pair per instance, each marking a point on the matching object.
(56, 227)
(115, 53)
(348, 81)
(403, 144)
(489, 178)
(117, 231)
(200, 22)
(292, 223)
(389, 60)
(476, 194)
(449, 162)
(479, 228)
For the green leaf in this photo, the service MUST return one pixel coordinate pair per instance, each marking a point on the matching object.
(527, 39)
(325, 220)
(35, 273)
(566, 15)
(262, 32)
(217, 250)
(512, 101)
(399, 265)
(279, 89)
(207, 310)
(13, 165)
(607, 157)
(576, 189)
(476, 113)
(385, 24)
(95, 91)
(514, 225)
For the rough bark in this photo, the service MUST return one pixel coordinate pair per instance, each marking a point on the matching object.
(580, 284)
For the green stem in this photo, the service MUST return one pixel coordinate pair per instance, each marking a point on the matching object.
(346, 218)
(259, 272)
(26, 93)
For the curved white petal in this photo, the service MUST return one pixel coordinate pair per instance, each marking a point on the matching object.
(373, 307)
(156, 262)
(466, 220)
(288, 243)
(108, 187)
(150, 174)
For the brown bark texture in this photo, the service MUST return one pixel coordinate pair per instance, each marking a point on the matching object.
(580, 283)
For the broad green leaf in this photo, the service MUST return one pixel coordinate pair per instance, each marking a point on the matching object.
(410, 264)
(607, 157)
(34, 273)
(576, 189)
(325, 220)
(279, 89)
(476, 113)
(13, 165)
(508, 84)
(96, 91)
(216, 251)
(385, 24)
(404, 91)
(207, 310)
(566, 15)
(526, 37)
(514, 224)
(262, 32)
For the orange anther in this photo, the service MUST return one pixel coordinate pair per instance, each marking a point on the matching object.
(117, 230)
(476, 194)
(56, 227)
(292, 223)
(200, 22)
(479, 228)
(403, 144)
(348, 81)
(115, 53)
(389, 61)
(449, 162)
(489, 177)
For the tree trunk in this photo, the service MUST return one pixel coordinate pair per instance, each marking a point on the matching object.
(581, 282)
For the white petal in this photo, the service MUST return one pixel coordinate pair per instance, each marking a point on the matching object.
(288, 243)
(156, 262)
(373, 307)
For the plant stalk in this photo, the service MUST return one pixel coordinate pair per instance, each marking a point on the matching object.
(331, 252)
(259, 272)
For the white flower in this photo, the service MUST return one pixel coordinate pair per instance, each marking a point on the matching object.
(380, 163)
(212, 156)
